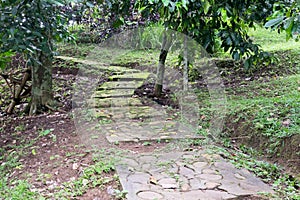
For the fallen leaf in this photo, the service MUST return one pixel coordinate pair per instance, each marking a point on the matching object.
(75, 166)
(286, 122)
(185, 187)
(153, 180)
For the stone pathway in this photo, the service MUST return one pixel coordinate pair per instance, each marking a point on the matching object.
(169, 175)
(187, 176)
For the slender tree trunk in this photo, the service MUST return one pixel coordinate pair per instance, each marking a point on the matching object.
(41, 95)
(18, 92)
(186, 65)
(166, 44)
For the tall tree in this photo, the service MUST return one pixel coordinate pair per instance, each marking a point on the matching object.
(30, 27)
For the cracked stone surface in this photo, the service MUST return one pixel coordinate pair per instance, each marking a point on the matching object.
(177, 175)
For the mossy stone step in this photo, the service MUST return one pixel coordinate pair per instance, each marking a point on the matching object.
(120, 85)
(129, 112)
(130, 77)
(116, 102)
(116, 93)
(123, 70)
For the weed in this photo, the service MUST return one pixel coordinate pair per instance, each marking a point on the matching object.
(46, 132)
(147, 143)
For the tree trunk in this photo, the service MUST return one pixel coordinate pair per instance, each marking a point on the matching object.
(41, 95)
(186, 65)
(166, 44)
(17, 94)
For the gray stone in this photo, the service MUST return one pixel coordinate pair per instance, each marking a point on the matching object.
(210, 177)
(216, 195)
(121, 85)
(185, 187)
(234, 189)
(147, 159)
(146, 166)
(129, 162)
(197, 184)
(138, 177)
(212, 185)
(168, 183)
(107, 102)
(209, 171)
(239, 176)
(186, 172)
(198, 166)
(224, 165)
(150, 195)
(140, 75)
(113, 93)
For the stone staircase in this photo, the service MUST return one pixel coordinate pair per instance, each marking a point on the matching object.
(177, 175)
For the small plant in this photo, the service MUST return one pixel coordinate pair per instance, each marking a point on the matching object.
(121, 194)
(147, 144)
(46, 132)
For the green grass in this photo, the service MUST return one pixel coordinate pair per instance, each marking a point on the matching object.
(273, 41)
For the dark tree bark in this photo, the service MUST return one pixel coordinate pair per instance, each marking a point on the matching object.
(166, 44)
(42, 95)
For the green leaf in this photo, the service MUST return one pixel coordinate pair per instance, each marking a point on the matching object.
(236, 55)
(33, 152)
(289, 22)
(119, 22)
(274, 22)
(57, 2)
(142, 9)
(89, 4)
(5, 58)
(206, 6)
(184, 4)
(166, 2)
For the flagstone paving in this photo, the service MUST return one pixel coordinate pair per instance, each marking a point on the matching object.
(186, 175)
(173, 175)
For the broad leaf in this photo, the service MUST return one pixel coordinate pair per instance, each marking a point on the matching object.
(165, 2)
(274, 22)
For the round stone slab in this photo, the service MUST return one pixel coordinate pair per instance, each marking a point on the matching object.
(150, 195)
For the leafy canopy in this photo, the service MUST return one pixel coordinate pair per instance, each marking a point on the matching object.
(31, 26)
(214, 23)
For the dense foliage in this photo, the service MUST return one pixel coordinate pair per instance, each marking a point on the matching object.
(215, 24)
(286, 18)
(30, 27)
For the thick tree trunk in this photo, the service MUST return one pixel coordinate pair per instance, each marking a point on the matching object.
(166, 44)
(41, 95)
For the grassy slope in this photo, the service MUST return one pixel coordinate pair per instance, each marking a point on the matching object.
(276, 101)
(266, 115)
